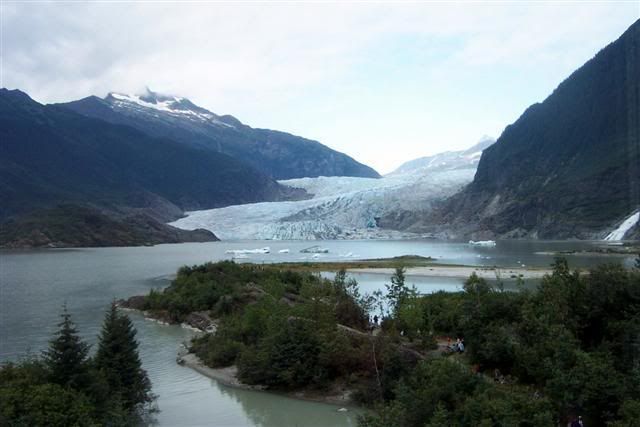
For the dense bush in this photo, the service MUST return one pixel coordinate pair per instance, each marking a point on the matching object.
(287, 359)
(283, 329)
(216, 350)
(570, 347)
(223, 287)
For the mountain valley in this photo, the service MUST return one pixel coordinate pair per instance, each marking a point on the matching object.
(345, 207)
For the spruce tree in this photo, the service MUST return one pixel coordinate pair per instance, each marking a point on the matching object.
(397, 291)
(66, 357)
(118, 359)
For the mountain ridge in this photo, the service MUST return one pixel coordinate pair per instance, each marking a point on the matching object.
(278, 154)
(51, 156)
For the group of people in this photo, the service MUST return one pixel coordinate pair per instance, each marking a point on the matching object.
(457, 347)
(374, 320)
(577, 422)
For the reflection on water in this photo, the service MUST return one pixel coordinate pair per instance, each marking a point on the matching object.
(266, 409)
(35, 284)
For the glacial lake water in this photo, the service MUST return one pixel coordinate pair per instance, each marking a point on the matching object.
(35, 284)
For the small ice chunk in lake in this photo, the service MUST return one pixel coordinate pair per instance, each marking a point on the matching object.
(264, 250)
(485, 243)
(315, 250)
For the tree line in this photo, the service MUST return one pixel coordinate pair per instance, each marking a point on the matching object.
(66, 386)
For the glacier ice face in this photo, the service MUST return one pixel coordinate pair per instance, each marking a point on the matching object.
(341, 208)
(344, 207)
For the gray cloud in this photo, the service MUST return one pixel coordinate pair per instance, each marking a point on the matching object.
(269, 63)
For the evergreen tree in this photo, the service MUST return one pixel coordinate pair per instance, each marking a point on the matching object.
(118, 359)
(66, 358)
(397, 291)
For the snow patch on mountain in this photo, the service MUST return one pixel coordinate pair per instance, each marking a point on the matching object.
(164, 104)
(449, 160)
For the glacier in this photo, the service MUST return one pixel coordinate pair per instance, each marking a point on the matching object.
(341, 207)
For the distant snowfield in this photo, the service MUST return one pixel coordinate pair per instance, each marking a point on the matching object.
(341, 207)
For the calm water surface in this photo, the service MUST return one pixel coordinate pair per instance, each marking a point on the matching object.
(34, 285)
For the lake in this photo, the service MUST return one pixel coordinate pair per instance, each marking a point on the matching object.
(34, 285)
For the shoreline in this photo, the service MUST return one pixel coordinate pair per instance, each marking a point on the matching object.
(228, 377)
(461, 272)
(623, 254)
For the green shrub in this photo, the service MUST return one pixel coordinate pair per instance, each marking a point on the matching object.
(217, 351)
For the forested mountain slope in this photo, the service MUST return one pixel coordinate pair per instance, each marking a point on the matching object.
(568, 167)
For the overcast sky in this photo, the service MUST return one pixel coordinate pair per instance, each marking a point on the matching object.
(384, 82)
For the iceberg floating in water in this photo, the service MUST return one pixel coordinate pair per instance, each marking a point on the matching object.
(486, 243)
(315, 250)
(264, 250)
(618, 233)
